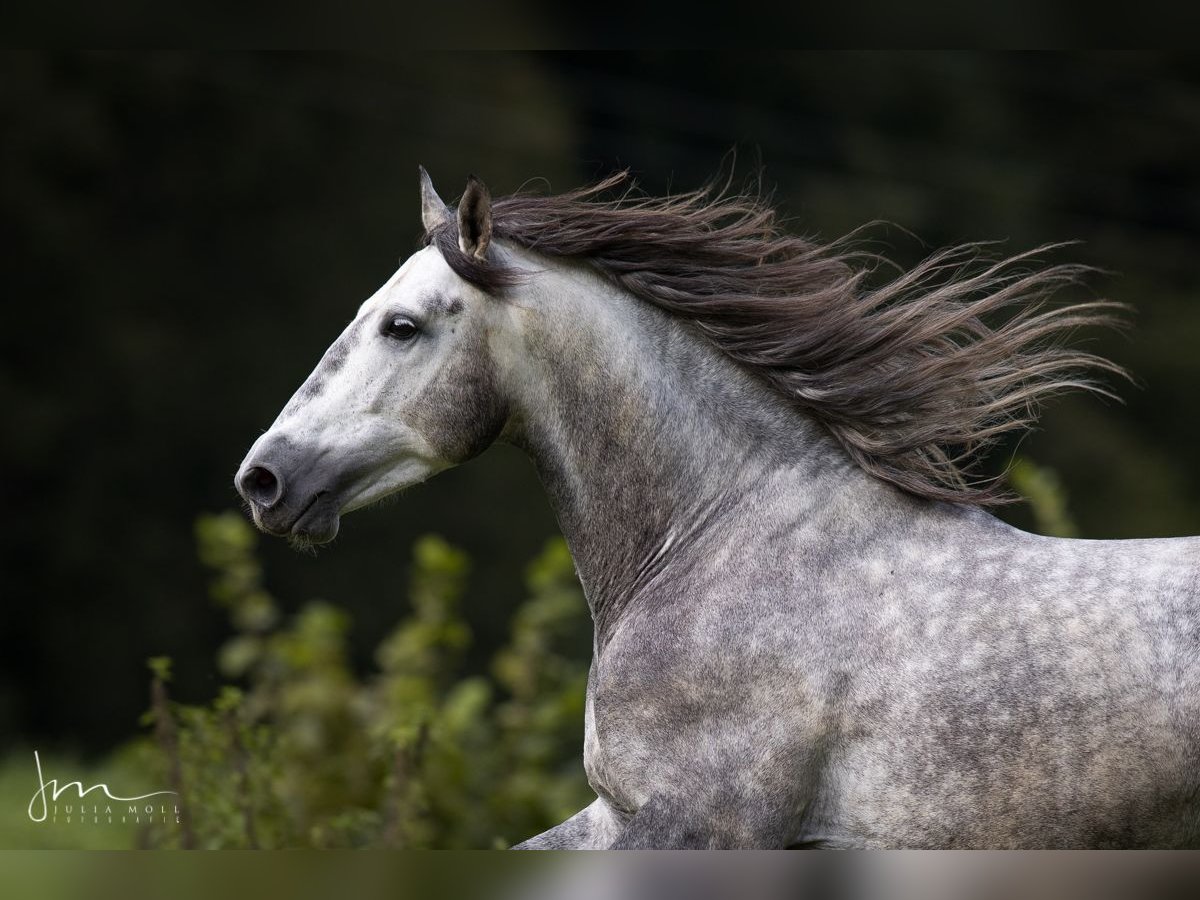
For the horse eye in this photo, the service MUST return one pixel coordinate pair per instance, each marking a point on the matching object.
(401, 327)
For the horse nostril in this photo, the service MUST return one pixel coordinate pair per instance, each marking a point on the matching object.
(261, 486)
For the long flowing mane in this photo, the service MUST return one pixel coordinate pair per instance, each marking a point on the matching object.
(915, 378)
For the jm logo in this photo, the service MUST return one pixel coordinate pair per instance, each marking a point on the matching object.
(39, 805)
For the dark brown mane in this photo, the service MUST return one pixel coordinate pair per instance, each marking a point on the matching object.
(914, 378)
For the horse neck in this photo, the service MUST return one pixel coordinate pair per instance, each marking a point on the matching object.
(648, 440)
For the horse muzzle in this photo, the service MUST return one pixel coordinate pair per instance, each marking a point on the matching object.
(288, 495)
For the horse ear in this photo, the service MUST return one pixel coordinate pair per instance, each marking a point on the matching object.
(475, 219)
(434, 212)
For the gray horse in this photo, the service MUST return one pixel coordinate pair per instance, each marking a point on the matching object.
(808, 631)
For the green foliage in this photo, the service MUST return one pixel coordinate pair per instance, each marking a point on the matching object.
(1047, 497)
(306, 753)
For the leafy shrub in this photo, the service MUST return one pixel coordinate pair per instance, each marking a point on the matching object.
(302, 753)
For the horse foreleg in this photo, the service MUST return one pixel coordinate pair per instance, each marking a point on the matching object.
(592, 828)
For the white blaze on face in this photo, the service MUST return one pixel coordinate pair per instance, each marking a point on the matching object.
(349, 418)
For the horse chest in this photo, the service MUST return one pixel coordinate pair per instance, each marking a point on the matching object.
(664, 711)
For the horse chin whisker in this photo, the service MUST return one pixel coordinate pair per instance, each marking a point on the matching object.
(302, 543)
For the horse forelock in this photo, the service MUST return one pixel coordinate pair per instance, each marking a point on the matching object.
(915, 377)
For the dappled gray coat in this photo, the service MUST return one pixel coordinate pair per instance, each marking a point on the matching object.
(807, 630)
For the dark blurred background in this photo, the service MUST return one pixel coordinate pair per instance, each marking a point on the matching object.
(185, 234)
